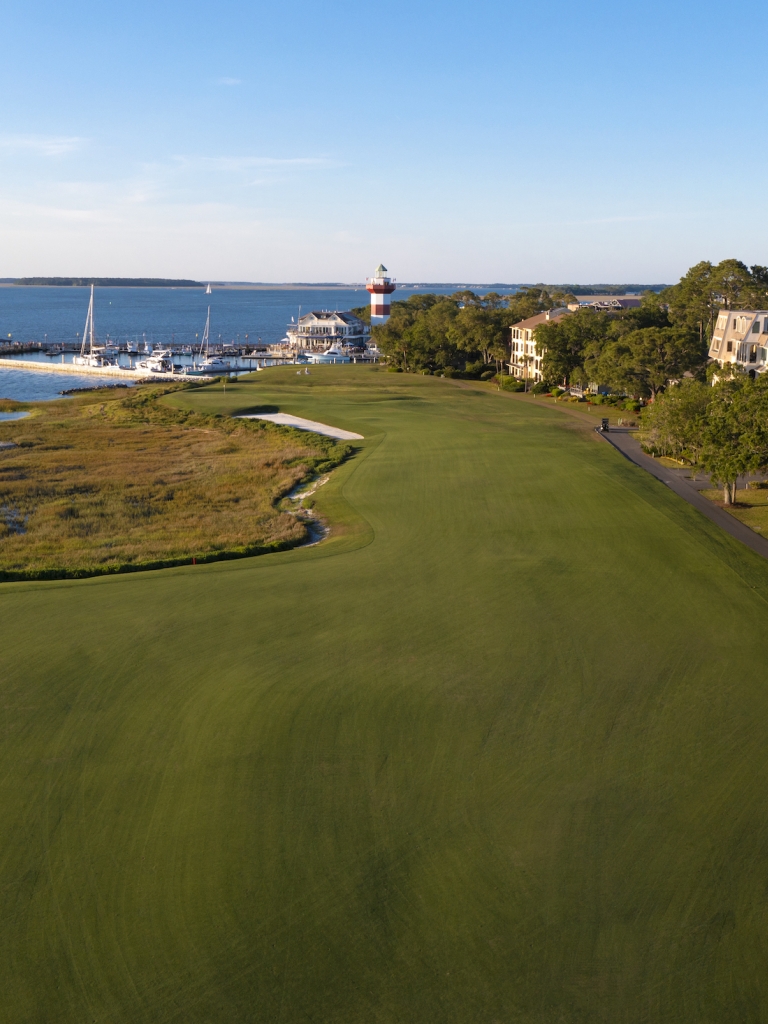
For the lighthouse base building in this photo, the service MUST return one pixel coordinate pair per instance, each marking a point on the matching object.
(381, 287)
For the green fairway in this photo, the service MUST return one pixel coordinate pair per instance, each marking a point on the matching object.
(496, 751)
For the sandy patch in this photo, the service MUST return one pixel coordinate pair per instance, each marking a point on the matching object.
(284, 419)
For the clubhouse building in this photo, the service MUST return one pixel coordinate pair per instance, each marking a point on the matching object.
(320, 329)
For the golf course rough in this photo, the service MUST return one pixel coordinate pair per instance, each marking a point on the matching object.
(496, 751)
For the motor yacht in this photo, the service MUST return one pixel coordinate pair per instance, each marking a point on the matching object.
(160, 361)
(334, 354)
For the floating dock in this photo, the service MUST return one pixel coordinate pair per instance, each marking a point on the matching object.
(96, 371)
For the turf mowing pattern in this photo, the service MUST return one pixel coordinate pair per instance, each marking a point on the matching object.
(494, 752)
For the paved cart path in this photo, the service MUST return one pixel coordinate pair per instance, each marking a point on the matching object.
(678, 482)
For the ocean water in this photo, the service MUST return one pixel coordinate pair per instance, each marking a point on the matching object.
(36, 386)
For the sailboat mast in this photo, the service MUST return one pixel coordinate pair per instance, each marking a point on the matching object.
(90, 309)
(88, 323)
(204, 341)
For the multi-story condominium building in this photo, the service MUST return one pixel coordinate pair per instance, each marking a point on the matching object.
(322, 328)
(741, 336)
(525, 361)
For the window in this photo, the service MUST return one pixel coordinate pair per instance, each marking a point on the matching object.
(753, 353)
(756, 326)
(722, 321)
(729, 346)
(716, 343)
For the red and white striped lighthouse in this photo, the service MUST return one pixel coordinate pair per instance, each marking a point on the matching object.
(381, 287)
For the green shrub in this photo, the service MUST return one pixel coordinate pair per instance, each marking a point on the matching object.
(487, 375)
(474, 369)
(511, 384)
(540, 388)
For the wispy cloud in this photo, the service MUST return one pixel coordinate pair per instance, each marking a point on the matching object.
(229, 81)
(244, 163)
(45, 145)
(614, 220)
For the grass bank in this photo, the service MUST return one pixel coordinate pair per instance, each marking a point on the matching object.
(497, 753)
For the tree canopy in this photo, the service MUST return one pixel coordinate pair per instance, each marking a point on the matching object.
(463, 332)
(723, 428)
(643, 361)
(707, 288)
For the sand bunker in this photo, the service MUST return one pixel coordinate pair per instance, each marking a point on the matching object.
(284, 419)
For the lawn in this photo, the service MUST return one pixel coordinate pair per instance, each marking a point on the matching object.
(494, 752)
(751, 507)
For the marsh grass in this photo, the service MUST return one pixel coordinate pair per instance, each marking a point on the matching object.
(111, 482)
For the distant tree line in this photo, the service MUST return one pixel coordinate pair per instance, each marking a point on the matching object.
(111, 282)
(603, 289)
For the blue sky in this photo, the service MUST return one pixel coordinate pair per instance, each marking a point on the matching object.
(307, 142)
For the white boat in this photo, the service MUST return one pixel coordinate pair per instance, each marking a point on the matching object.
(91, 354)
(132, 348)
(160, 361)
(208, 290)
(334, 354)
(213, 365)
(207, 364)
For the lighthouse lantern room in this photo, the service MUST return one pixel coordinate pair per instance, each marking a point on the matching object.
(381, 287)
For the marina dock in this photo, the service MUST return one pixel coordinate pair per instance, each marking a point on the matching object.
(95, 371)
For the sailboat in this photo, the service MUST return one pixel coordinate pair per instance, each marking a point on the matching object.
(208, 290)
(94, 355)
(209, 364)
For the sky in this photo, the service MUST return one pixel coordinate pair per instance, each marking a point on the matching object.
(487, 142)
